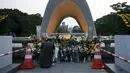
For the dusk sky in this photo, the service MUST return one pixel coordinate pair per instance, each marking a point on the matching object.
(98, 7)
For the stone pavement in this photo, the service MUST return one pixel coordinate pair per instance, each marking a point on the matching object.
(66, 67)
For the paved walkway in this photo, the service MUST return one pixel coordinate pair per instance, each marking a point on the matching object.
(65, 68)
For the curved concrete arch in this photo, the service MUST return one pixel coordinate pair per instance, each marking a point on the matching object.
(57, 9)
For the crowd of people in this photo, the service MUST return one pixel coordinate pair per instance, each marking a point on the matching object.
(73, 53)
(70, 52)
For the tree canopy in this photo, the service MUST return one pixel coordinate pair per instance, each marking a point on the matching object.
(117, 22)
(18, 22)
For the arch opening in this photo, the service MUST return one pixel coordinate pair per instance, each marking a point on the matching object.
(68, 23)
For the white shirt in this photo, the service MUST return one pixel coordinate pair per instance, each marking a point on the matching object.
(56, 52)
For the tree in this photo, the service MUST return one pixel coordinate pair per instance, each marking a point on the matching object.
(19, 23)
(121, 7)
(112, 23)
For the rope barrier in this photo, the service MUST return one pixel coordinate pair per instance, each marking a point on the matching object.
(126, 60)
(5, 54)
(119, 57)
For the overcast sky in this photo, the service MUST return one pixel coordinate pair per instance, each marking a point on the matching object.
(98, 7)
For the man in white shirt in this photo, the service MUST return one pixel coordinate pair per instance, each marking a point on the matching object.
(56, 52)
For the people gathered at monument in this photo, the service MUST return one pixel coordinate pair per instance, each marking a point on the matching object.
(70, 50)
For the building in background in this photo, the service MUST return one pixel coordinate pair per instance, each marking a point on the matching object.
(70, 29)
(63, 23)
(63, 28)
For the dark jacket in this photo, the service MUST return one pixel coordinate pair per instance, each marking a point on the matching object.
(46, 57)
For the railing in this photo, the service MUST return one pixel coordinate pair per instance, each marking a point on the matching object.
(22, 38)
(65, 33)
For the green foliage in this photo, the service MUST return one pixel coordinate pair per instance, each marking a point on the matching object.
(112, 24)
(19, 23)
(121, 7)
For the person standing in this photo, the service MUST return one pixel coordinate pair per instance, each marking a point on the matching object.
(60, 53)
(80, 53)
(69, 52)
(56, 52)
(73, 53)
(85, 55)
(92, 54)
(76, 53)
(38, 54)
(47, 52)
